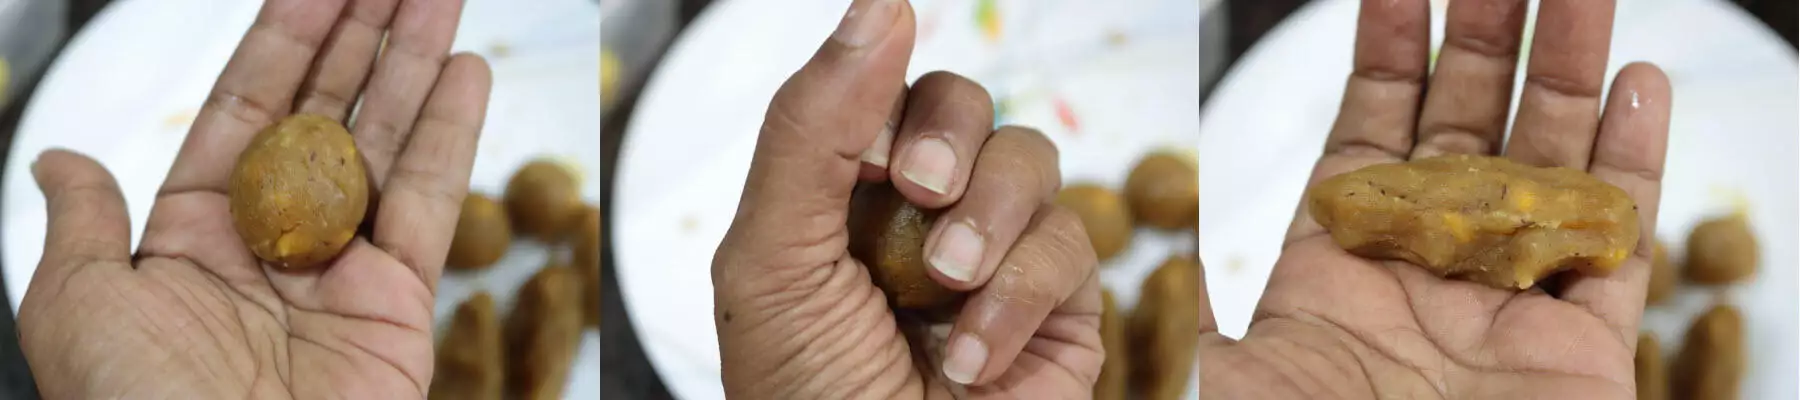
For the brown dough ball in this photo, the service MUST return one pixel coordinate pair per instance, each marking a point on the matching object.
(1720, 251)
(1479, 218)
(587, 259)
(888, 235)
(1103, 213)
(1663, 276)
(1652, 378)
(1711, 361)
(1115, 372)
(1164, 344)
(1163, 191)
(470, 361)
(543, 200)
(482, 234)
(543, 332)
(299, 191)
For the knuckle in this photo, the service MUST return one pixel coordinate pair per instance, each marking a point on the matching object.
(379, 137)
(240, 107)
(1064, 230)
(956, 89)
(1025, 156)
(1049, 262)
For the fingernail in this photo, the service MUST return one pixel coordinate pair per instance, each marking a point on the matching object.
(929, 164)
(877, 154)
(867, 22)
(967, 356)
(959, 250)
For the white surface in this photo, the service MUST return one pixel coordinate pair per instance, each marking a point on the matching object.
(1733, 131)
(690, 141)
(126, 89)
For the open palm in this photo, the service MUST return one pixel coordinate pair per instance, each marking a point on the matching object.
(192, 314)
(1331, 324)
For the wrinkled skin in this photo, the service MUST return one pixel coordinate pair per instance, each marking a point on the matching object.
(191, 313)
(1334, 325)
(800, 317)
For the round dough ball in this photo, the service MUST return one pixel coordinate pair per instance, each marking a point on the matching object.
(1721, 250)
(587, 260)
(1662, 276)
(543, 200)
(888, 235)
(482, 234)
(1103, 213)
(1163, 191)
(1652, 374)
(298, 191)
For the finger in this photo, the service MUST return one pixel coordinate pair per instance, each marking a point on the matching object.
(1471, 87)
(431, 177)
(343, 65)
(1560, 107)
(948, 118)
(1381, 99)
(88, 225)
(797, 193)
(1633, 142)
(1016, 174)
(875, 158)
(417, 49)
(1049, 266)
(256, 88)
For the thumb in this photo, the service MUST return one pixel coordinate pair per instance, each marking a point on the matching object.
(88, 224)
(808, 152)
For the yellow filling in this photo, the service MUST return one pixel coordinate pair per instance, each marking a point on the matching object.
(1524, 200)
(1459, 227)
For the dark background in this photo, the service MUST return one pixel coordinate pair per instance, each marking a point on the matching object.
(626, 373)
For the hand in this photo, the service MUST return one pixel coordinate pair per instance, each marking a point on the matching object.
(798, 317)
(1332, 325)
(193, 314)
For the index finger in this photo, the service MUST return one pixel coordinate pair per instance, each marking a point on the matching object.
(257, 88)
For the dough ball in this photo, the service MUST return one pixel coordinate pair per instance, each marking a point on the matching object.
(1163, 191)
(1652, 377)
(1663, 276)
(543, 199)
(482, 234)
(1103, 213)
(1712, 358)
(1479, 218)
(470, 361)
(888, 235)
(587, 259)
(299, 191)
(1720, 251)
(543, 333)
(1115, 371)
(1164, 343)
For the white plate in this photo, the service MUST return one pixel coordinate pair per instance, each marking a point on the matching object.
(1733, 131)
(690, 141)
(125, 90)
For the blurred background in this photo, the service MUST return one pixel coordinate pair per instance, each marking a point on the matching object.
(653, 75)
